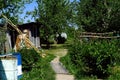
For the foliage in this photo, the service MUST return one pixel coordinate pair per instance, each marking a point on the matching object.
(43, 40)
(93, 58)
(12, 9)
(98, 15)
(68, 63)
(73, 16)
(115, 75)
(53, 14)
(70, 33)
(42, 71)
(29, 58)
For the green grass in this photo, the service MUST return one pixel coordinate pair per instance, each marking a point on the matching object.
(42, 70)
(57, 50)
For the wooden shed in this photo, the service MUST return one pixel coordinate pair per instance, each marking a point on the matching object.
(33, 32)
(32, 28)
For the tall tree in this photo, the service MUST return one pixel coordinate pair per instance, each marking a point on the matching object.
(73, 12)
(53, 14)
(99, 15)
(12, 8)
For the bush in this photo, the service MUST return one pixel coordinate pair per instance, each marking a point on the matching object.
(49, 41)
(29, 58)
(115, 73)
(94, 58)
(42, 71)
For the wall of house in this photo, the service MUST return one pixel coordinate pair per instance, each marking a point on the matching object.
(33, 31)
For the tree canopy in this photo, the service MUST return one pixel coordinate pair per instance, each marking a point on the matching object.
(12, 9)
(53, 14)
(99, 15)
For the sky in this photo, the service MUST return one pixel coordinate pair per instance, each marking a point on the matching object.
(30, 7)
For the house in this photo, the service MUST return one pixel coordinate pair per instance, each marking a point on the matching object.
(32, 31)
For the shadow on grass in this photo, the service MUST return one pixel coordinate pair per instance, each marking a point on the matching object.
(56, 46)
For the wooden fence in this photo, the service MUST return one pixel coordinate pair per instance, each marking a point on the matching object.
(107, 35)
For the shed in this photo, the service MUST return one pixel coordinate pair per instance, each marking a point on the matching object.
(33, 34)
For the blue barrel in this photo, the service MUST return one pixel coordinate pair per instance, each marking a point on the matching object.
(19, 64)
(8, 67)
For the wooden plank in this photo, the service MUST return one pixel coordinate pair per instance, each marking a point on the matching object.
(105, 37)
(91, 33)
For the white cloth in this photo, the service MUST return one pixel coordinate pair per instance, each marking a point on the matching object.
(64, 35)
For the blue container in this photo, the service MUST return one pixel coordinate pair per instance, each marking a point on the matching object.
(8, 67)
(19, 64)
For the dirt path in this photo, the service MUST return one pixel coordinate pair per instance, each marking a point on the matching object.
(61, 72)
(64, 77)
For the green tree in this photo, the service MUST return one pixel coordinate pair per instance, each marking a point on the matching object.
(73, 13)
(53, 14)
(12, 9)
(99, 15)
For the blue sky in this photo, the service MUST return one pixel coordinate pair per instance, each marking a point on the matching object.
(29, 7)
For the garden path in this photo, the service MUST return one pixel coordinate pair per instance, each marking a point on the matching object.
(61, 72)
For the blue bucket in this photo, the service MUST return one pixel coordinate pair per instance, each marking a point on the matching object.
(19, 65)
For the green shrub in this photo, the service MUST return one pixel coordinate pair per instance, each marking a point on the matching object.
(42, 71)
(115, 75)
(94, 58)
(29, 58)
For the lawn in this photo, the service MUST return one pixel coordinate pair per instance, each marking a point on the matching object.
(57, 50)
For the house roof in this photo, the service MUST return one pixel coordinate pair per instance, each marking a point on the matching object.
(24, 26)
(31, 24)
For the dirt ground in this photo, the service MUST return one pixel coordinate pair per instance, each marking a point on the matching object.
(64, 77)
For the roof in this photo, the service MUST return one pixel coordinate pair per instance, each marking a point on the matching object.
(31, 24)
